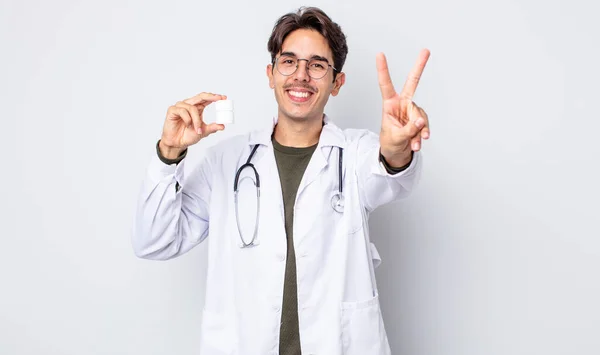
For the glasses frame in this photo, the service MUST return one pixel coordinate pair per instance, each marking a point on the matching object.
(276, 60)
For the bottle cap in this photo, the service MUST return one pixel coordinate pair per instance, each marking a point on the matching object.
(224, 105)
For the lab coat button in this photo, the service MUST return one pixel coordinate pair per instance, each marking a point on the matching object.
(282, 257)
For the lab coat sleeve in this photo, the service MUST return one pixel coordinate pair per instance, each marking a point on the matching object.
(377, 186)
(170, 221)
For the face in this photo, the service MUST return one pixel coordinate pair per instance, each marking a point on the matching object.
(300, 97)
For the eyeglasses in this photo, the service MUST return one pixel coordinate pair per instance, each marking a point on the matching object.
(317, 68)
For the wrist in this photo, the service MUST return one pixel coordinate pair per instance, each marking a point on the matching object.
(397, 159)
(169, 152)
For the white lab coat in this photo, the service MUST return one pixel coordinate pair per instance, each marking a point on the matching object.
(338, 302)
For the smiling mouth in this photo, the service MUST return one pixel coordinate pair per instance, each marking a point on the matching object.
(299, 96)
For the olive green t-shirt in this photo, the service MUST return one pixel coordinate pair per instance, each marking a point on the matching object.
(291, 163)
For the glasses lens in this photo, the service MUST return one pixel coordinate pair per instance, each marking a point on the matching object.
(317, 68)
(287, 65)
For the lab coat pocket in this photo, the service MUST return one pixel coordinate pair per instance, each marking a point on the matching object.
(217, 337)
(362, 328)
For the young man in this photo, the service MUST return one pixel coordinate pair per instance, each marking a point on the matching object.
(290, 264)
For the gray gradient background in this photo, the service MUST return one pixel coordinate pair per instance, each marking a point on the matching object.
(497, 252)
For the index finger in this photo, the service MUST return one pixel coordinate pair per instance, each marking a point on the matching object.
(383, 75)
(204, 99)
(414, 76)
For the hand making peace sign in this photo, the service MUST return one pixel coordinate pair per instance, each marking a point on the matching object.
(403, 123)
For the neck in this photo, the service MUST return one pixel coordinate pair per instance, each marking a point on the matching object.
(297, 134)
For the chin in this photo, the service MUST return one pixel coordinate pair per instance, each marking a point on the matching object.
(297, 118)
(300, 116)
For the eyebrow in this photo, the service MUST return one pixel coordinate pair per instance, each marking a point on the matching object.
(317, 57)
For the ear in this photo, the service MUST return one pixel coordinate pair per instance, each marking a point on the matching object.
(270, 76)
(340, 79)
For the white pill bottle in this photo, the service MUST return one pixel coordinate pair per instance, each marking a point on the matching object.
(224, 110)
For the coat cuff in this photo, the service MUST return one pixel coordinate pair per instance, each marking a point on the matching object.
(162, 172)
(391, 170)
(379, 168)
(167, 160)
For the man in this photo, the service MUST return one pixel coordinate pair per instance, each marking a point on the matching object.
(290, 266)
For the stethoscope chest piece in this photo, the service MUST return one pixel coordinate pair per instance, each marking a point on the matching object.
(337, 202)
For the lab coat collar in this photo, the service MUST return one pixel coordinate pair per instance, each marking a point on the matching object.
(331, 135)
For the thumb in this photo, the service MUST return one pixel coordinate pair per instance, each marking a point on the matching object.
(413, 127)
(212, 128)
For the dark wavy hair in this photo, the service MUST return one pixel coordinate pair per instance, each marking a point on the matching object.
(314, 19)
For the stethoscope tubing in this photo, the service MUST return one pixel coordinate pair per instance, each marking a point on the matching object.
(337, 201)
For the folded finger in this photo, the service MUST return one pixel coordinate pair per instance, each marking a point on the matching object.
(184, 114)
(194, 114)
(415, 143)
(417, 114)
(413, 128)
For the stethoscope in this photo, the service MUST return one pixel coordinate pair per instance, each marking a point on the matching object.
(337, 200)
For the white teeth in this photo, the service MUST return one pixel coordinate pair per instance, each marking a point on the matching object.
(299, 94)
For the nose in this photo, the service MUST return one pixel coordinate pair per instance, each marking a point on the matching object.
(302, 71)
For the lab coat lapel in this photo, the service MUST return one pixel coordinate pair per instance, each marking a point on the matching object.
(264, 161)
(331, 138)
